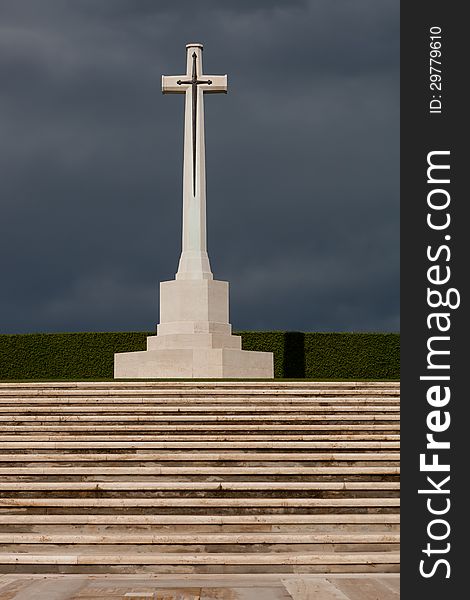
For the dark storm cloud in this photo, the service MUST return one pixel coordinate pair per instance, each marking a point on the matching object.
(302, 158)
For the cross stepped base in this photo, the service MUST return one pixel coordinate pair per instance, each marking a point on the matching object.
(194, 338)
(193, 363)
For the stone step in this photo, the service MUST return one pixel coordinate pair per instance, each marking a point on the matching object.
(289, 529)
(100, 412)
(141, 445)
(198, 485)
(188, 387)
(195, 427)
(203, 401)
(241, 550)
(234, 399)
(203, 502)
(192, 470)
(302, 398)
(200, 538)
(178, 410)
(177, 571)
(157, 390)
(16, 422)
(205, 519)
(182, 383)
(90, 420)
(186, 492)
(278, 558)
(142, 456)
(190, 394)
(275, 425)
(300, 401)
(197, 438)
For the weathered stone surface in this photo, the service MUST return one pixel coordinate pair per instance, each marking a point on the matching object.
(199, 587)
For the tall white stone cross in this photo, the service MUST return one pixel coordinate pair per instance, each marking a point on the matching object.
(194, 337)
(194, 261)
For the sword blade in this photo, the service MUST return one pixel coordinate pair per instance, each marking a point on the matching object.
(194, 93)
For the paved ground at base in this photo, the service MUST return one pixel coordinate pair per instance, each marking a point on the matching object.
(243, 587)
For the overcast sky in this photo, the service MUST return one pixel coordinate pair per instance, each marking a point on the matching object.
(302, 161)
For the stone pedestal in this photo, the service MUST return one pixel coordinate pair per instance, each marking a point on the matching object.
(194, 338)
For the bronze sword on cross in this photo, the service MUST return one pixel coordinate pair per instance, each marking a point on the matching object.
(212, 84)
(194, 82)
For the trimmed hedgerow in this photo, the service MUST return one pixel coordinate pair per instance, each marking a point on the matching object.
(352, 355)
(296, 354)
(65, 355)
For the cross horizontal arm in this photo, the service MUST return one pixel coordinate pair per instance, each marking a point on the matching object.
(170, 85)
(218, 85)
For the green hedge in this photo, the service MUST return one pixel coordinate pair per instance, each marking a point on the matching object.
(329, 355)
(352, 355)
(64, 355)
(296, 354)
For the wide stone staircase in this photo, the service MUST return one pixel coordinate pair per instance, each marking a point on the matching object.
(199, 477)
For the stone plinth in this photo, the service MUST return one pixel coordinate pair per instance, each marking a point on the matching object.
(194, 338)
(193, 362)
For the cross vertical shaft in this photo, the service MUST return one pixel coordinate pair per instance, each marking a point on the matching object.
(194, 260)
